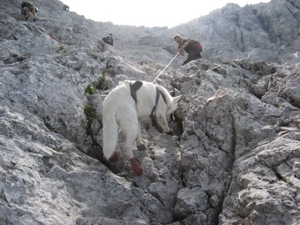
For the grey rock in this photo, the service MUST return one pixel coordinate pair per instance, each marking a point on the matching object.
(234, 158)
(296, 169)
(189, 201)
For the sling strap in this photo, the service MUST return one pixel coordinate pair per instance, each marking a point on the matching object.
(158, 93)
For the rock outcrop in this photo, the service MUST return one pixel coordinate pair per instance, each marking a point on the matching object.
(235, 155)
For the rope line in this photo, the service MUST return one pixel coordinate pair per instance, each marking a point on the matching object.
(165, 67)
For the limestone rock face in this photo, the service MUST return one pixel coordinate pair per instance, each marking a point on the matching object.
(263, 31)
(234, 156)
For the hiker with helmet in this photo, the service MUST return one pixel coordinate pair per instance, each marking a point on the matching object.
(28, 11)
(192, 47)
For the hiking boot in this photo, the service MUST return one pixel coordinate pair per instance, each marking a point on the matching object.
(136, 166)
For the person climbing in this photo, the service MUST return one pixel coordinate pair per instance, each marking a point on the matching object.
(28, 11)
(109, 39)
(192, 47)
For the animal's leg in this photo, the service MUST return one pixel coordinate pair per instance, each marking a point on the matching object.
(134, 162)
(113, 158)
(130, 131)
(140, 146)
(136, 166)
(131, 134)
(162, 121)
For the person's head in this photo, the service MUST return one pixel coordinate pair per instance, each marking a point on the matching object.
(178, 38)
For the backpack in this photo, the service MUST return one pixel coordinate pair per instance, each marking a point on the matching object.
(193, 42)
(30, 7)
(26, 4)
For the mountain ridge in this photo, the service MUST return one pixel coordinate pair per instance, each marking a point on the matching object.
(234, 158)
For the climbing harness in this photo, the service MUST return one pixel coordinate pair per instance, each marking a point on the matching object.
(166, 67)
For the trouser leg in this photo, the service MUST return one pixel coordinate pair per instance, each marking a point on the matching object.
(193, 55)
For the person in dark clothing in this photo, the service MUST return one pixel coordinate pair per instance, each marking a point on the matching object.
(192, 47)
(28, 11)
(109, 39)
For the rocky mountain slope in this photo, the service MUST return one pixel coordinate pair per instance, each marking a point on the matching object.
(235, 155)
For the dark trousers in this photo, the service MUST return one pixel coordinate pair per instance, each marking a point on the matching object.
(194, 54)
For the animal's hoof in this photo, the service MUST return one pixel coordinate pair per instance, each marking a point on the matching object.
(136, 166)
(113, 158)
(141, 147)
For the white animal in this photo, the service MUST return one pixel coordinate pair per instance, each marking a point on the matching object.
(123, 109)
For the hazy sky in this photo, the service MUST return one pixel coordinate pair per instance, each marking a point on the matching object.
(149, 13)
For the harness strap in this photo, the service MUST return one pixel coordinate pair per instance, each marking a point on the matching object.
(133, 89)
(158, 93)
(136, 86)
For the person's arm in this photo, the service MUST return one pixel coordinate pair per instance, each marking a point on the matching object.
(181, 48)
(181, 51)
(185, 44)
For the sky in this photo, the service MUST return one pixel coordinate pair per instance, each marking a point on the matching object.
(153, 13)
